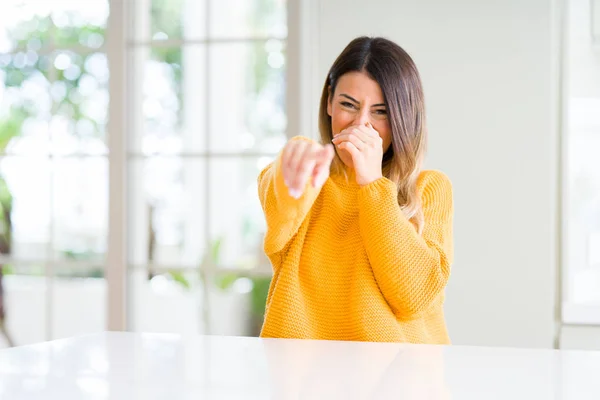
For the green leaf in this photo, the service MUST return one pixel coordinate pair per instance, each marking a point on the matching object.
(180, 278)
(215, 250)
(8, 269)
(11, 126)
(225, 281)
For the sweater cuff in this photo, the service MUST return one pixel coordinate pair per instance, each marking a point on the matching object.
(378, 189)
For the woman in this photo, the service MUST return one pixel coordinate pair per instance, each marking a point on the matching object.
(359, 237)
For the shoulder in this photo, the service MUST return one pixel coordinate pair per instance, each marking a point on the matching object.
(434, 186)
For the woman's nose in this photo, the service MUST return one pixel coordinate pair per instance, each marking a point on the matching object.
(362, 117)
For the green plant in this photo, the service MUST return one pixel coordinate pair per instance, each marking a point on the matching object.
(10, 127)
(260, 291)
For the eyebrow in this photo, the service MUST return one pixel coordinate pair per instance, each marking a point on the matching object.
(357, 102)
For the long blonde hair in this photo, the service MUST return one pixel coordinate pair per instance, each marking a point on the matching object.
(396, 73)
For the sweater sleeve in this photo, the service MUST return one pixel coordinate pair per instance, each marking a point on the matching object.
(411, 269)
(283, 213)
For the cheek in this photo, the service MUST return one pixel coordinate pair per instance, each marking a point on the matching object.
(385, 133)
(340, 120)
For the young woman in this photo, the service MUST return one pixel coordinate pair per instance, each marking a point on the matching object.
(359, 237)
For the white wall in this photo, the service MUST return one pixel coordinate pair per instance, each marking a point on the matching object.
(488, 69)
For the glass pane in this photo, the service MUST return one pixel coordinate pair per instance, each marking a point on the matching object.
(174, 20)
(25, 103)
(237, 304)
(167, 211)
(79, 23)
(80, 94)
(23, 297)
(229, 306)
(237, 223)
(25, 200)
(79, 301)
(169, 100)
(243, 18)
(582, 239)
(584, 205)
(24, 25)
(80, 201)
(247, 97)
(228, 19)
(166, 302)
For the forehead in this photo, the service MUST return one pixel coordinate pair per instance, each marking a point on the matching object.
(360, 86)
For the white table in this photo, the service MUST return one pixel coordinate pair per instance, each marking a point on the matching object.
(154, 366)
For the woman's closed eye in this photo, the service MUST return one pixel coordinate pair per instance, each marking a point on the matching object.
(381, 111)
(347, 104)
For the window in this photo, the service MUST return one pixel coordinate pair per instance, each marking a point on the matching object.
(207, 113)
(582, 164)
(53, 166)
(206, 110)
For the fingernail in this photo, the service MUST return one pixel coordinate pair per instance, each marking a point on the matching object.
(295, 193)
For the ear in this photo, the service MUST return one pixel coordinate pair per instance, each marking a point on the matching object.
(329, 99)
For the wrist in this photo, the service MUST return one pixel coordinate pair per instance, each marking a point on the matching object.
(369, 180)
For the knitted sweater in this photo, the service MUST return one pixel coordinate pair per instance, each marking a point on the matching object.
(348, 265)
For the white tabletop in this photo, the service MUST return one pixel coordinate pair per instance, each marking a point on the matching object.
(151, 366)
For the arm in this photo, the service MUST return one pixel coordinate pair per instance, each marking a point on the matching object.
(411, 270)
(283, 213)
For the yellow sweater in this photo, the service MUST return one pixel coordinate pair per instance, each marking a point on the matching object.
(348, 265)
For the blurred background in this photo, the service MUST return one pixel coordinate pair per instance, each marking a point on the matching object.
(132, 133)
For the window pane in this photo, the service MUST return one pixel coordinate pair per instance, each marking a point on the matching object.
(247, 97)
(79, 23)
(237, 304)
(24, 300)
(167, 211)
(80, 94)
(25, 103)
(582, 187)
(25, 191)
(169, 100)
(154, 295)
(169, 302)
(236, 219)
(79, 301)
(229, 306)
(584, 205)
(175, 19)
(24, 25)
(80, 200)
(243, 18)
(228, 19)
